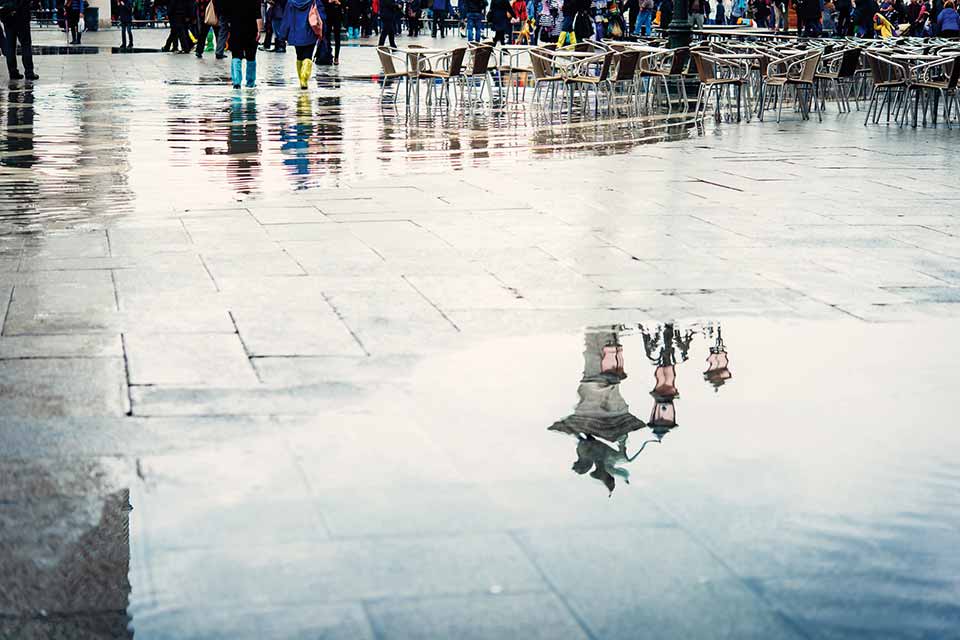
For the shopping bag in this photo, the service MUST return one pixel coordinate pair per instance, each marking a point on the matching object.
(210, 45)
(210, 17)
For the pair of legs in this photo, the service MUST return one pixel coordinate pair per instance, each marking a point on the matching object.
(243, 47)
(223, 31)
(474, 23)
(336, 26)
(499, 36)
(73, 19)
(17, 28)
(697, 20)
(204, 30)
(305, 64)
(644, 23)
(387, 31)
(126, 33)
(566, 31)
(439, 23)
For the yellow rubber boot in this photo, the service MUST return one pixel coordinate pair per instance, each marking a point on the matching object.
(307, 72)
(562, 40)
(300, 72)
(573, 38)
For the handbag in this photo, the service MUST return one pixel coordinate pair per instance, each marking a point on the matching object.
(210, 17)
(315, 21)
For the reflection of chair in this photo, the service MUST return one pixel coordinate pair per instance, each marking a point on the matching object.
(389, 60)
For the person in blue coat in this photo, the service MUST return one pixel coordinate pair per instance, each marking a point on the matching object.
(295, 29)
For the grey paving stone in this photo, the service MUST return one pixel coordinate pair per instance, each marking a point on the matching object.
(273, 332)
(277, 263)
(61, 346)
(342, 571)
(528, 615)
(199, 360)
(652, 579)
(229, 621)
(63, 387)
(304, 399)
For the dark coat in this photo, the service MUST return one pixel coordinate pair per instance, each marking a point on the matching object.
(500, 14)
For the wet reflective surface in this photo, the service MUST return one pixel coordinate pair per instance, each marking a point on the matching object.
(83, 151)
(270, 368)
(813, 494)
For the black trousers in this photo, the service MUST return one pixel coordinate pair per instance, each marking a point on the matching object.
(305, 51)
(17, 28)
(73, 19)
(386, 31)
(336, 26)
(439, 23)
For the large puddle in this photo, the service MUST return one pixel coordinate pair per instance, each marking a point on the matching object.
(744, 480)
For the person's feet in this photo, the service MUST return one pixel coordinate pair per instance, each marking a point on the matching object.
(220, 56)
(16, 75)
(336, 61)
(31, 75)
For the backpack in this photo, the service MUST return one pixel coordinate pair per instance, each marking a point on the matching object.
(315, 21)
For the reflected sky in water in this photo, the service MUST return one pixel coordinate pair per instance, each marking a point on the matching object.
(812, 494)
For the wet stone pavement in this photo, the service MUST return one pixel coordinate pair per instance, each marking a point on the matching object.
(292, 365)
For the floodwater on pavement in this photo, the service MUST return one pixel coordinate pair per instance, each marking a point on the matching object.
(743, 479)
(75, 152)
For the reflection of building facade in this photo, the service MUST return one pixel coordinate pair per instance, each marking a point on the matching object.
(64, 559)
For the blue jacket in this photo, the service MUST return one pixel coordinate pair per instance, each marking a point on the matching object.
(949, 20)
(295, 27)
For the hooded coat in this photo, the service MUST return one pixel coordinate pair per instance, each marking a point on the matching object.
(295, 26)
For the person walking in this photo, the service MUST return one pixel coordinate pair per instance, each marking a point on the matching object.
(246, 27)
(499, 18)
(948, 21)
(569, 12)
(474, 14)
(15, 17)
(277, 10)
(354, 15)
(720, 17)
(334, 25)
(74, 9)
(439, 24)
(297, 31)
(125, 11)
(644, 24)
(202, 27)
(389, 10)
(666, 13)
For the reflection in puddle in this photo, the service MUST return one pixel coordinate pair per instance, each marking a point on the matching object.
(603, 415)
(78, 153)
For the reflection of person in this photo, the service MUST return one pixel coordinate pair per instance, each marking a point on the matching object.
(19, 122)
(295, 143)
(593, 454)
(16, 24)
(243, 143)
